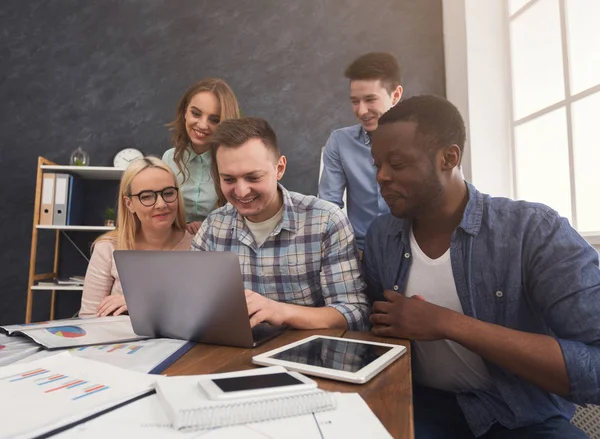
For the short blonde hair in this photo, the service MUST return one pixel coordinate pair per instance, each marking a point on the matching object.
(128, 223)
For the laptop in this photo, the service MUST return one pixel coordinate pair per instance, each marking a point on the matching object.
(189, 295)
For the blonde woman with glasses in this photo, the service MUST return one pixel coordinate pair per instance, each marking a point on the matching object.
(150, 217)
(202, 107)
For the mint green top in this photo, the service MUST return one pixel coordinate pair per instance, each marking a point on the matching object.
(199, 196)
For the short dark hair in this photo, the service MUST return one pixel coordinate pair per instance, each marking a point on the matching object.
(437, 119)
(376, 65)
(232, 133)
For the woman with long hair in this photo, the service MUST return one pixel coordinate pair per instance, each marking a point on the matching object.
(150, 216)
(203, 106)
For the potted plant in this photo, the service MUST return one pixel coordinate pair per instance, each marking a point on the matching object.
(109, 217)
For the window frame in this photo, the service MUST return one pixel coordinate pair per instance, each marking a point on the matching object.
(567, 103)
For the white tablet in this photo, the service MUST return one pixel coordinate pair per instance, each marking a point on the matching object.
(344, 359)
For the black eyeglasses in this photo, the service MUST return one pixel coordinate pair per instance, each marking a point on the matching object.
(148, 198)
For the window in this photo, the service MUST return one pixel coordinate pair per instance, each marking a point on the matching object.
(555, 72)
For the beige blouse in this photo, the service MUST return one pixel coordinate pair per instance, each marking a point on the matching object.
(102, 278)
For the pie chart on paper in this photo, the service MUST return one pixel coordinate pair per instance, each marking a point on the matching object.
(67, 331)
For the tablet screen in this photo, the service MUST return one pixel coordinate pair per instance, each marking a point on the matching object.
(343, 355)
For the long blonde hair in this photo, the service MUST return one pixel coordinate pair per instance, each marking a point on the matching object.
(128, 224)
(179, 137)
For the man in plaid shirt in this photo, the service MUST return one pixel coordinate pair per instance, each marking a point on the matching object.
(297, 253)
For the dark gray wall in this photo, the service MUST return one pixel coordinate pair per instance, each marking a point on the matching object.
(107, 74)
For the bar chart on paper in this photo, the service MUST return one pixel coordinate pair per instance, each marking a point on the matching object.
(140, 356)
(110, 348)
(39, 395)
(47, 381)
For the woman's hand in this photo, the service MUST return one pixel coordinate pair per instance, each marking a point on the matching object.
(113, 304)
(193, 227)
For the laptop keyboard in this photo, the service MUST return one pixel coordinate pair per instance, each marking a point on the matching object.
(261, 331)
(264, 331)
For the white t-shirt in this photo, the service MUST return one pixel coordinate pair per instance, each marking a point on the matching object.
(261, 231)
(441, 364)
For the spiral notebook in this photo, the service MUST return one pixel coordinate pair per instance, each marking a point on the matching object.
(189, 408)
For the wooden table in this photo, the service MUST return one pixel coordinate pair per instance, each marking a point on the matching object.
(389, 394)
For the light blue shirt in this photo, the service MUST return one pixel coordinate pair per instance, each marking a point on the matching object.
(518, 265)
(198, 190)
(348, 164)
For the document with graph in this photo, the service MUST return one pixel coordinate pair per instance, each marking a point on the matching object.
(147, 356)
(40, 396)
(23, 327)
(58, 334)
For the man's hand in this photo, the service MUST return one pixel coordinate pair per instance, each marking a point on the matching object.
(261, 309)
(412, 318)
(193, 227)
(113, 304)
(533, 357)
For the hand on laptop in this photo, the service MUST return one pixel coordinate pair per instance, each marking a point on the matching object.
(113, 304)
(261, 309)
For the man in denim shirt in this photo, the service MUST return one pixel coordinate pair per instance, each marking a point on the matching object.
(501, 297)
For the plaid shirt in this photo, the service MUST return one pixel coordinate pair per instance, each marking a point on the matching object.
(310, 258)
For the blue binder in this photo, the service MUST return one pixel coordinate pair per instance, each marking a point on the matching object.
(172, 358)
(75, 202)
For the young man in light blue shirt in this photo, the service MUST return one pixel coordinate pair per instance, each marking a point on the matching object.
(347, 162)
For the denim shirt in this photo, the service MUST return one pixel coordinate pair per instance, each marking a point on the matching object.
(519, 265)
(348, 165)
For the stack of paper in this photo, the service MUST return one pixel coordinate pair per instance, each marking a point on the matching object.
(13, 349)
(73, 281)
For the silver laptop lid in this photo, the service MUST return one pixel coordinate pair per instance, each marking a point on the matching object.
(187, 295)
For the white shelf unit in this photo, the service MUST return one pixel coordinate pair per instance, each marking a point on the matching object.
(57, 287)
(77, 228)
(87, 172)
(83, 172)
